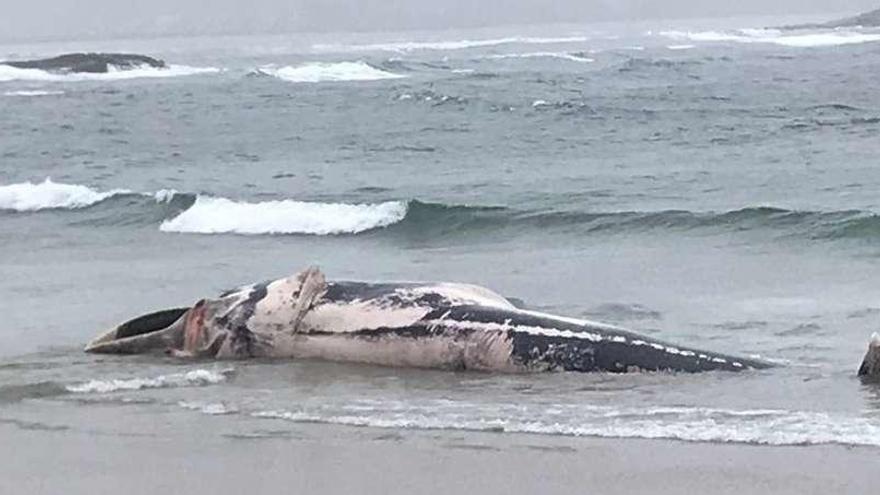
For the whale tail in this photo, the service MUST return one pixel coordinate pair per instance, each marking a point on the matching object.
(870, 368)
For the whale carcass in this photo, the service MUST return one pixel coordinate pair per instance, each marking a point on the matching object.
(439, 325)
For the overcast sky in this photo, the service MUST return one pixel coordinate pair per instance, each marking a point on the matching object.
(60, 19)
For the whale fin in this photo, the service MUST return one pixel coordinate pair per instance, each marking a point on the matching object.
(312, 285)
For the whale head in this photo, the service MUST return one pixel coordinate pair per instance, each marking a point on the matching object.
(152, 332)
(181, 332)
(218, 327)
(870, 368)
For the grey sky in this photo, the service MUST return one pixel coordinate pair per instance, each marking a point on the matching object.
(58, 19)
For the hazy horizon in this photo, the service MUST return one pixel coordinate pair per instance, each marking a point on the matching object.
(89, 19)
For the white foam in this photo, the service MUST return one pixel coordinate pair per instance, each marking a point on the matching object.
(210, 408)
(806, 40)
(29, 196)
(323, 72)
(164, 195)
(680, 47)
(826, 39)
(210, 215)
(700, 36)
(697, 424)
(408, 46)
(33, 92)
(194, 378)
(560, 55)
(9, 73)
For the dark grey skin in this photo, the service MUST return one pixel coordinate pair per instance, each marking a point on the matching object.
(95, 63)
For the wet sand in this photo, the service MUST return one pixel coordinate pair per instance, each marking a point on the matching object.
(344, 460)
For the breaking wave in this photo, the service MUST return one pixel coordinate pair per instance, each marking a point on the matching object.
(408, 46)
(194, 378)
(329, 72)
(571, 57)
(9, 73)
(209, 215)
(694, 424)
(180, 212)
(33, 92)
(29, 196)
(777, 37)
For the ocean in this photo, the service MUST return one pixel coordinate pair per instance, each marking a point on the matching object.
(708, 182)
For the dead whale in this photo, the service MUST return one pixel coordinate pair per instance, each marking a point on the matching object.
(439, 325)
(88, 63)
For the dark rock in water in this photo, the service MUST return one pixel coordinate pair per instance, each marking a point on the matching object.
(88, 62)
(258, 73)
(868, 19)
(870, 369)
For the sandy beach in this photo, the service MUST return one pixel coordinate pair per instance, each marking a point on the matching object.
(342, 460)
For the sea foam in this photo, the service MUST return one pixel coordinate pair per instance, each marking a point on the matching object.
(693, 424)
(194, 378)
(327, 72)
(408, 46)
(805, 40)
(210, 408)
(571, 57)
(211, 215)
(33, 92)
(9, 73)
(29, 196)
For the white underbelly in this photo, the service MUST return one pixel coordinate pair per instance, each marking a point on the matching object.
(487, 351)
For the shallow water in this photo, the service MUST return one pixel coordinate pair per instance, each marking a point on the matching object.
(697, 182)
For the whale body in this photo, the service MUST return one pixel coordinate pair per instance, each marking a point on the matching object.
(88, 63)
(427, 325)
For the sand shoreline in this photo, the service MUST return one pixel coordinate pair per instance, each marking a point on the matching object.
(329, 459)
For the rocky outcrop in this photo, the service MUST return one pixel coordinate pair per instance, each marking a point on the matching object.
(88, 62)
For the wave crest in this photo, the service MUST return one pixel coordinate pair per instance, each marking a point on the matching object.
(194, 378)
(413, 219)
(408, 46)
(774, 36)
(210, 215)
(315, 72)
(580, 57)
(33, 92)
(9, 73)
(29, 196)
(694, 424)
